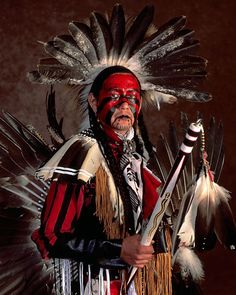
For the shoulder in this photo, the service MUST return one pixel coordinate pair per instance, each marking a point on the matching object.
(79, 157)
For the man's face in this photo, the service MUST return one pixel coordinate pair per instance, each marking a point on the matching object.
(119, 101)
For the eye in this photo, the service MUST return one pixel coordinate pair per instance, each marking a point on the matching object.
(115, 96)
(132, 97)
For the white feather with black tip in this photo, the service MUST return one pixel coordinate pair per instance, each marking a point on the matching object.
(209, 192)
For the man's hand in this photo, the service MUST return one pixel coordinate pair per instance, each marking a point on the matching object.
(135, 254)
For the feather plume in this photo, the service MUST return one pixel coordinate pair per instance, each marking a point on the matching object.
(189, 264)
(67, 44)
(36, 77)
(117, 25)
(54, 127)
(185, 93)
(156, 98)
(60, 55)
(55, 71)
(134, 36)
(208, 203)
(164, 33)
(83, 37)
(101, 36)
(225, 227)
(201, 192)
(180, 44)
(22, 146)
(28, 133)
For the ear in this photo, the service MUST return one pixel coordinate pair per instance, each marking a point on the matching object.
(92, 102)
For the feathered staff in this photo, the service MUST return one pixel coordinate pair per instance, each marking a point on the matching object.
(164, 199)
(209, 203)
(205, 215)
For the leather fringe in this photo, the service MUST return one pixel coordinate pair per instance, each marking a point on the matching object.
(113, 227)
(156, 277)
(153, 279)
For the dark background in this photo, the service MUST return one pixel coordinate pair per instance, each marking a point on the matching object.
(23, 22)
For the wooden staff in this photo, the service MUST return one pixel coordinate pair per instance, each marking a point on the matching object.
(164, 198)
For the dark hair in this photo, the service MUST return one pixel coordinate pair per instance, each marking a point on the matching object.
(112, 162)
(116, 172)
(101, 77)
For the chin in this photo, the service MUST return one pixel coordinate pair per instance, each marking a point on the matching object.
(121, 128)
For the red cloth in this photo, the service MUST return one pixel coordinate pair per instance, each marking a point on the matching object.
(62, 207)
(150, 194)
(36, 237)
(115, 287)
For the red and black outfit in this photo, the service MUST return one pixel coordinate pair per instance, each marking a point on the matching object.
(69, 226)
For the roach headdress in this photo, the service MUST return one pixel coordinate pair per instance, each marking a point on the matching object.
(162, 59)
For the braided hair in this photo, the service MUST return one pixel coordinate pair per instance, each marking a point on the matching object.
(115, 169)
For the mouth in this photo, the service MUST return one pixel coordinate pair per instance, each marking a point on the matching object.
(122, 122)
(123, 117)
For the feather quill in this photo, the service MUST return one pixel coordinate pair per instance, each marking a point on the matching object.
(83, 37)
(54, 127)
(101, 36)
(60, 55)
(163, 34)
(175, 46)
(185, 93)
(30, 135)
(117, 27)
(137, 31)
(68, 45)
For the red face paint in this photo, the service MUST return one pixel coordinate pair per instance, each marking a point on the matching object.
(119, 101)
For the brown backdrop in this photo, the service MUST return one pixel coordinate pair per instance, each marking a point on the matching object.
(23, 22)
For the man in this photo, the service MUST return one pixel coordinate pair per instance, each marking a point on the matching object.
(103, 190)
(73, 222)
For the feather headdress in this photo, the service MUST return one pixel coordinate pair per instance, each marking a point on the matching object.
(162, 59)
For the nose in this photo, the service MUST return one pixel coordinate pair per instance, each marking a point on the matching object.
(124, 105)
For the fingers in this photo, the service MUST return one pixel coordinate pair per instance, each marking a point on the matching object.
(135, 254)
(140, 264)
(145, 249)
(140, 260)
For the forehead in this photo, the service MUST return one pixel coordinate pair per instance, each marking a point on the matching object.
(122, 81)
